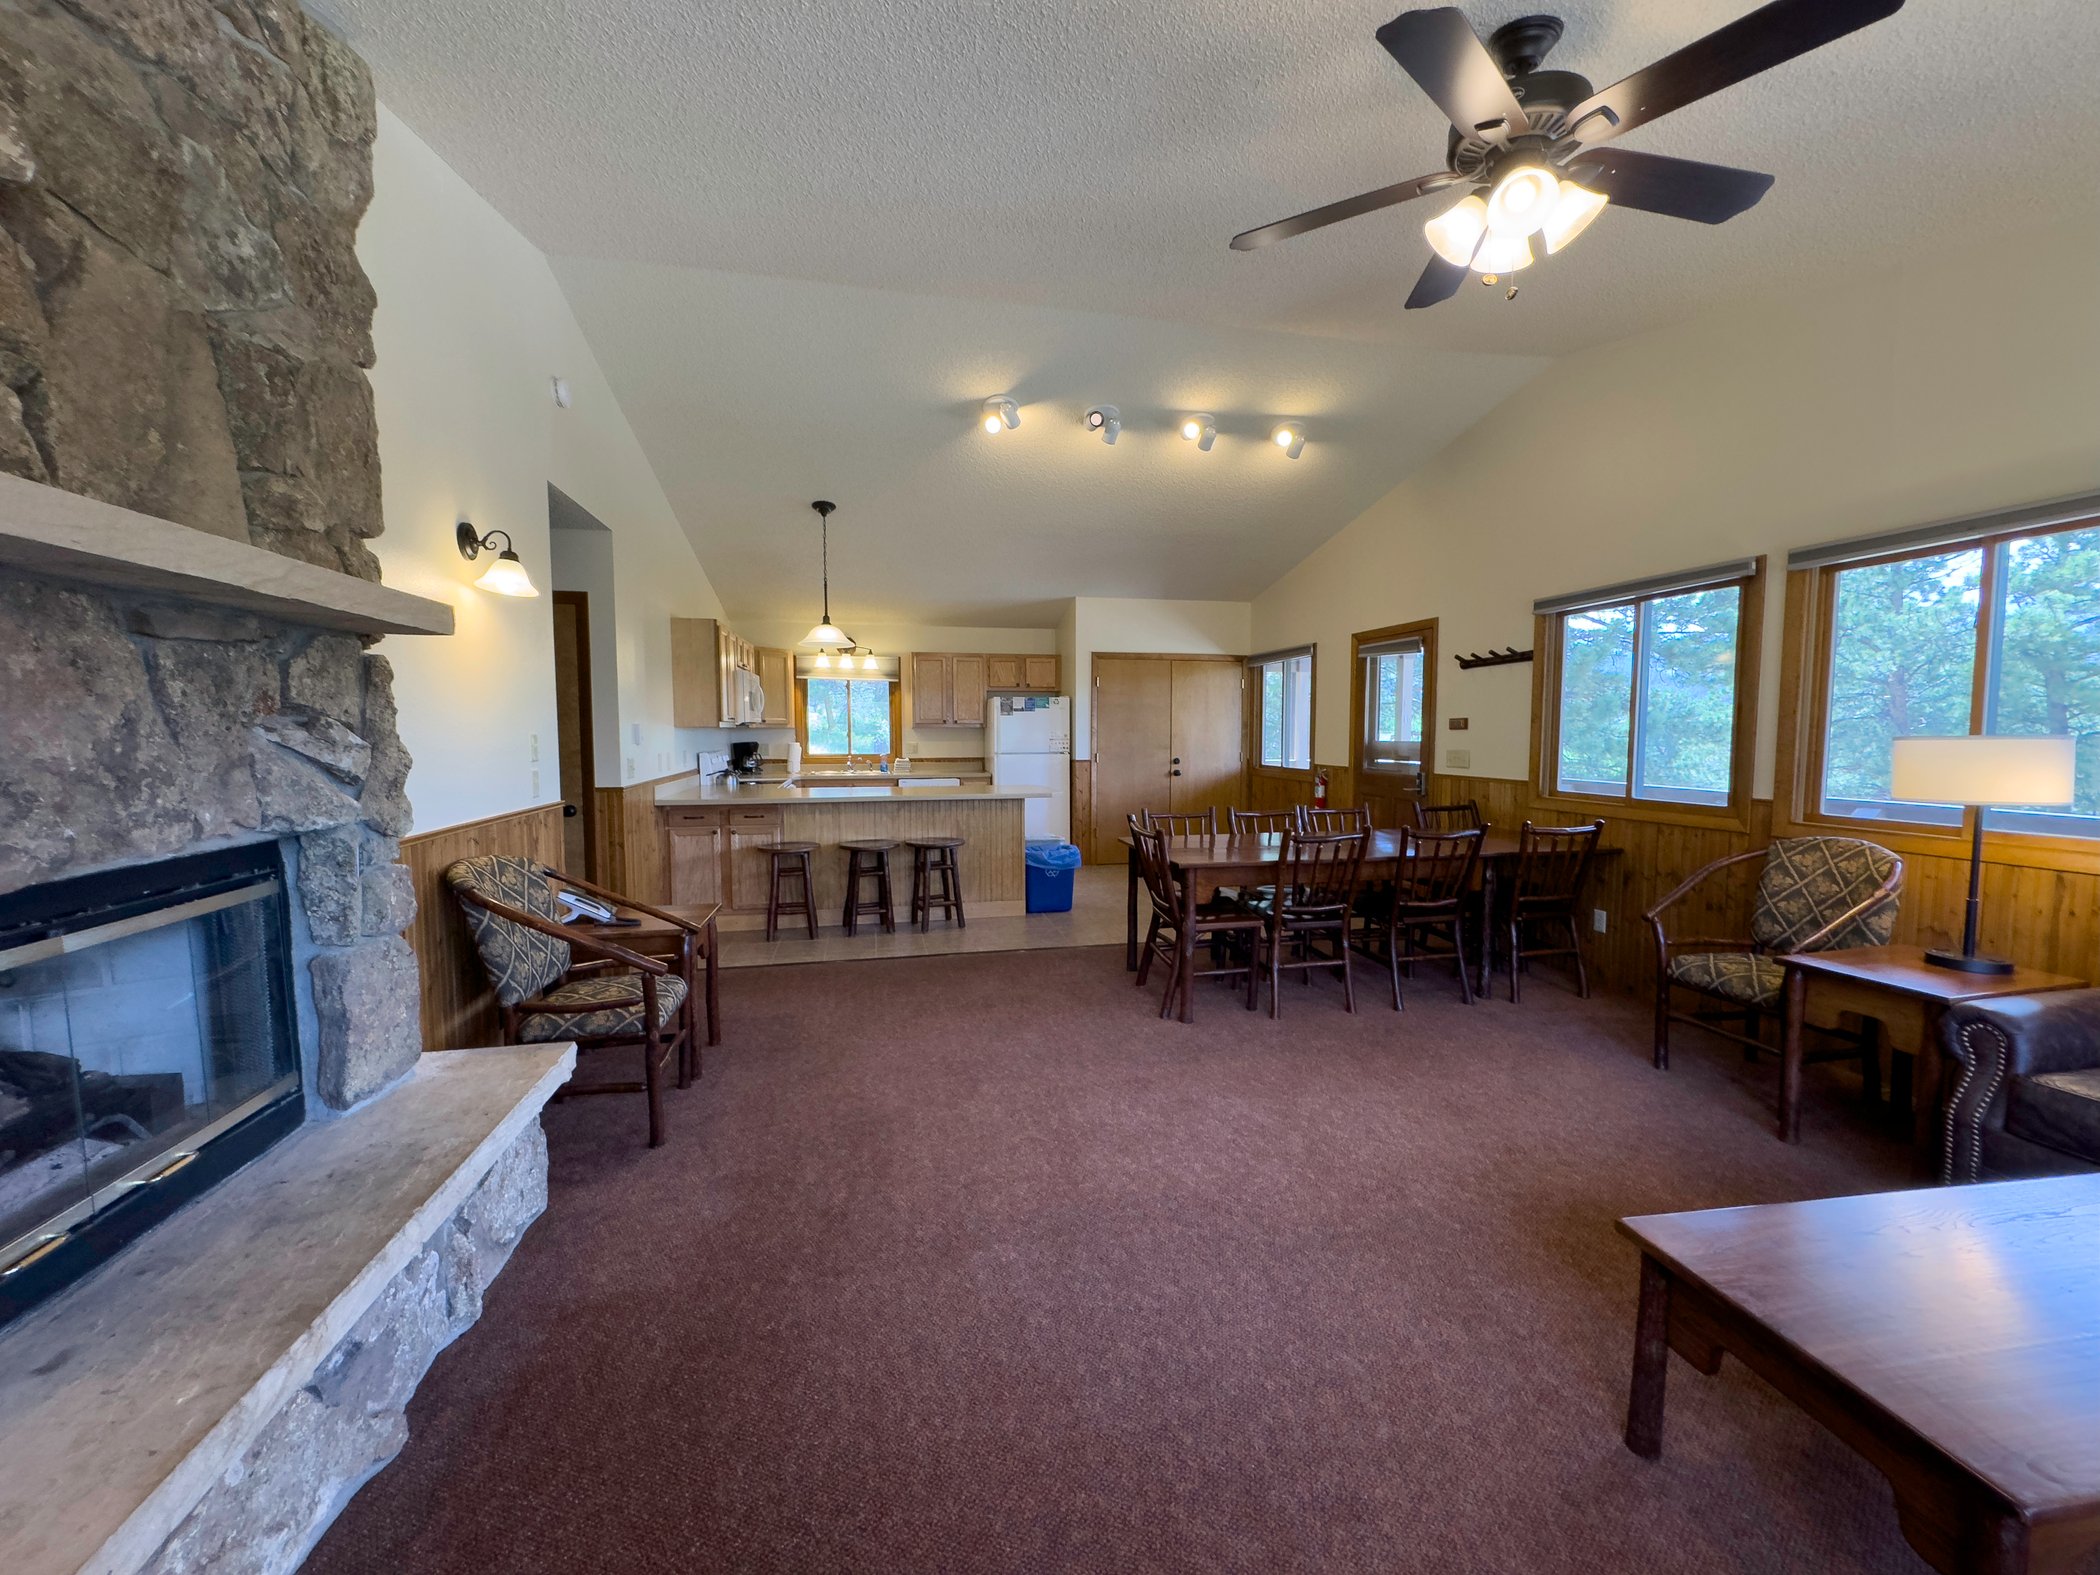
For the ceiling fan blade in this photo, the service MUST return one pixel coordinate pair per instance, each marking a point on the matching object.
(1348, 208)
(1677, 188)
(1767, 37)
(1439, 282)
(1440, 50)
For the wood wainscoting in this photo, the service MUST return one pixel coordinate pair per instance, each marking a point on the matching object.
(459, 1010)
(2043, 918)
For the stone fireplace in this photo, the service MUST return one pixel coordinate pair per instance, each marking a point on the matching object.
(189, 477)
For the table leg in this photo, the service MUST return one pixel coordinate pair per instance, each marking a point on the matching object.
(1651, 1362)
(714, 997)
(1925, 1097)
(1487, 927)
(1795, 996)
(1130, 935)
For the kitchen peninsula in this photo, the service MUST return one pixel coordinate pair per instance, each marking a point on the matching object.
(715, 838)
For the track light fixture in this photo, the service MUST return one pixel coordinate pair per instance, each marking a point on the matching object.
(1001, 415)
(1106, 420)
(1201, 430)
(1290, 438)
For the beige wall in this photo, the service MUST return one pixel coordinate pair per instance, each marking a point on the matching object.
(471, 329)
(1934, 390)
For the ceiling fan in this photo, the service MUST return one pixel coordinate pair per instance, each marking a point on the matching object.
(1530, 144)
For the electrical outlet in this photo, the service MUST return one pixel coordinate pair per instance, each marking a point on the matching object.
(630, 768)
(1459, 759)
(535, 781)
(1597, 920)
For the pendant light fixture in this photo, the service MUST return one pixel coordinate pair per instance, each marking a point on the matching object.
(826, 634)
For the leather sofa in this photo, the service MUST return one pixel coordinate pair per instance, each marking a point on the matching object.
(2023, 1091)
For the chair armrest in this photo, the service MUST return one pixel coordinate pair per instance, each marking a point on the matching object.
(590, 945)
(1992, 1042)
(1654, 916)
(620, 899)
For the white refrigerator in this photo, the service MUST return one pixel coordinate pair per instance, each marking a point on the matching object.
(1028, 744)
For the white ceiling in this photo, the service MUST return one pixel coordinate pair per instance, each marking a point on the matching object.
(1038, 198)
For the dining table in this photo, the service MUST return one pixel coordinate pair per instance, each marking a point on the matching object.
(1201, 865)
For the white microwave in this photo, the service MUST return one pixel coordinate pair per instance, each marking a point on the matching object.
(750, 698)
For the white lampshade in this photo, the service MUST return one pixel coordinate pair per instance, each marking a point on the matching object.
(1522, 201)
(1502, 254)
(1572, 212)
(1454, 234)
(1983, 769)
(507, 577)
(827, 634)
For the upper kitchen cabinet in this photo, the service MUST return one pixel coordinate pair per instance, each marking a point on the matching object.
(776, 675)
(948, 687)
(714, 677)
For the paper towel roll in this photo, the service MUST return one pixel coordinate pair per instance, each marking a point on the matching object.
(794, 758)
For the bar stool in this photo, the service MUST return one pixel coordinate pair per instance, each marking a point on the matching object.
(790, 860)
(933, 859)
(868, 860)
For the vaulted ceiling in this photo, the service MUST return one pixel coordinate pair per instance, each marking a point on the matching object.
(806, 240)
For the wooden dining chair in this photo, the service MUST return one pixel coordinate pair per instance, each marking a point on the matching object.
(1428, 903)
(1181, 826)
(1263, 822)
(1553, 864)
(1314, 898)
(1461, 816)
(1332, 822)
(1214, 931)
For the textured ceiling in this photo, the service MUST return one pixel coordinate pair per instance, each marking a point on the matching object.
(1095, 158)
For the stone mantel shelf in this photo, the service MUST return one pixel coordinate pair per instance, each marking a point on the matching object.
(46, 530)
(129, 1395)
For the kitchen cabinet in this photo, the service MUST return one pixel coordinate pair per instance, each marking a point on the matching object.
(708, 662)
(776, 674)
(694, 842)
(932, 689)
(948, 687)
(966, 687)
(751, 833)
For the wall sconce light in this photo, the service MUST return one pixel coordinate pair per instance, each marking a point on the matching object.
(1291, 439)
(1201, 430)
(1001, 415)
(506, 576)
(1106, 420)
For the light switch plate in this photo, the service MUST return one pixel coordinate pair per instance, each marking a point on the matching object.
(637, 732)
(1459, 759)
(1597, 920)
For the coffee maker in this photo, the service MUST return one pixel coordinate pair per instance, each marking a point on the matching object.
(743, 758)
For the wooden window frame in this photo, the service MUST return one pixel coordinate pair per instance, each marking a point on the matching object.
(1421, 629)
(1742, 753)
(1255, 767)
(1804, 707)
(802, 717)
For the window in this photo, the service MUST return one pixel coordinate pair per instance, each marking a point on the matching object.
(1395, 706)
(848, 716)
(1999, 635)
(1283, 692)
(1642, 688)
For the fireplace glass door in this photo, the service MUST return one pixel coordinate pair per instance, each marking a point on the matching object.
(130, 1036)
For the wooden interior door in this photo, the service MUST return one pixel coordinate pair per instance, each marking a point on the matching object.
(1133, 737)
(1208, 752)
(572, 720)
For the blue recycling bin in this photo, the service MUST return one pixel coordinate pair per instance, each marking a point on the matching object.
(1052, 864)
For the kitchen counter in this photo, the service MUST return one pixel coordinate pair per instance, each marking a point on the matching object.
(874, 789)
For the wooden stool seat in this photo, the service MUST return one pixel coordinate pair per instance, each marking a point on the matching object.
(936, 881)
(790, 861)
(868, 859)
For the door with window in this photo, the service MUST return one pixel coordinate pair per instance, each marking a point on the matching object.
(1169, 735)
(1393, 700)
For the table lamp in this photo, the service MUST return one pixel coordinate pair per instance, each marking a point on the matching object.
(1981, 771)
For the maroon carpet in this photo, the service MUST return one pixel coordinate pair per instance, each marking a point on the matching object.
(970, 1263)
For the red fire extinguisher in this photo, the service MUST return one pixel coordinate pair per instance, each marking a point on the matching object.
(1320, 788)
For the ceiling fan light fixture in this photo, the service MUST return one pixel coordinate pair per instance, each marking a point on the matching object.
(1201, 430)
(1502, 254)
(1454, 234)
(1522, 201)
(1573, 210)
(1001, 415)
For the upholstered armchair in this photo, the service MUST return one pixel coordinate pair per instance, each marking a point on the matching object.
(2023, 1090)
(615, 999)
(1814, 894)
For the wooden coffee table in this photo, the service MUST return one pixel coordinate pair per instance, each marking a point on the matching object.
(1899, 989)
(1948, 1335)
